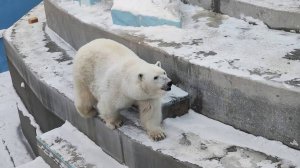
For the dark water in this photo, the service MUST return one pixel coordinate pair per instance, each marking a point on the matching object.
(10, 12)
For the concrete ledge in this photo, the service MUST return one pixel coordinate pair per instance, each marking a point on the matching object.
(274, 14)
(264, 109)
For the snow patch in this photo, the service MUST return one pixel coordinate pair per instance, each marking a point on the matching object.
(22, 85)
(295, 143)
(36, 163)
(207, 128)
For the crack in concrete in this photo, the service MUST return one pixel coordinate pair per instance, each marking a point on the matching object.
(6, 148)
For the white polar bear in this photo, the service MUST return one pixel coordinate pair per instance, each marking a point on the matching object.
(110, 75)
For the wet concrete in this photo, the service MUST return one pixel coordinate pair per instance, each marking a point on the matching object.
(215, 20)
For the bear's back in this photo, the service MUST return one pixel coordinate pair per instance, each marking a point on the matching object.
(108, 48)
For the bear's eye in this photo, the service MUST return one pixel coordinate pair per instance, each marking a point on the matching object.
(156, 77)
(164, 73)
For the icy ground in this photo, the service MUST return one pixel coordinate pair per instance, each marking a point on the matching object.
(13, 145)
(36, 163)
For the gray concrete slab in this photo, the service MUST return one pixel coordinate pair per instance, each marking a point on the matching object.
(276, 16)
(282, 15)
(260, 108)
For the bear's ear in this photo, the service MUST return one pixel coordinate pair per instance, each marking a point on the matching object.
(141, 76)
(158, 64)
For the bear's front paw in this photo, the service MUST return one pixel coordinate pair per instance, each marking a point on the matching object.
(114, 124)
(157, 134)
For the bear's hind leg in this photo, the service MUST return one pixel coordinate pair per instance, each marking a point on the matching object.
(151, 117)
(84, 101)
(109, 114)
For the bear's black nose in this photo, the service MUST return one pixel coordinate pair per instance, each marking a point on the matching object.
(170, 83)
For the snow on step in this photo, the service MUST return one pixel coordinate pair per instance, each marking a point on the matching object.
(278, 14)
(71, 148)
(199, 140)
(36, 163)
(146, 13)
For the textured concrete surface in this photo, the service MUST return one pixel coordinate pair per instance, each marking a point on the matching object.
(276, 15)
(263, 109)
(273, 16)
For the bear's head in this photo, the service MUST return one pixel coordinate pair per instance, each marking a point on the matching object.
(153, 80)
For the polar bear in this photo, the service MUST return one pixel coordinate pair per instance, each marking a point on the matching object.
(111, 77)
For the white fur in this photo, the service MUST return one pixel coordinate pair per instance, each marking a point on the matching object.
(111, 77)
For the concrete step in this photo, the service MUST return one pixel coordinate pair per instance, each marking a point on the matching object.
(277, 14)
(67, 147)
(236, 71)
(36, 163)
